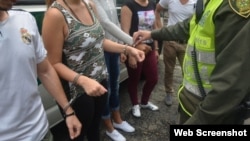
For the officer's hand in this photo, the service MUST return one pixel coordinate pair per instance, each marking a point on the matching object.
(141, 35)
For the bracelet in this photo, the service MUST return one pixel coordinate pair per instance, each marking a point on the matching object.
(68, 115)
(125, 49)
(156, 48)
(76, 79)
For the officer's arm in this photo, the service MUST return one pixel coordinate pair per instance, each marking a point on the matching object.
(179, 31)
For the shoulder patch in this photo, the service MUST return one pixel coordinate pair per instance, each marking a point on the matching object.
(241, 7)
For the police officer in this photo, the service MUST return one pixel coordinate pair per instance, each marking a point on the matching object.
(216, 66)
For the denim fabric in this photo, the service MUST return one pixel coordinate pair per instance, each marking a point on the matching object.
(113, 65)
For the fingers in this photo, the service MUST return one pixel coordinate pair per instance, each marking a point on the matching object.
(74, 132)
(102, 91)
(133, 66)
(137, 54)
(74, 127)
(123, 57)
(137, 38)
(147, 49)
(141, 57)
(140, 36)
(132, 62)
(97, 91)
(93, 88)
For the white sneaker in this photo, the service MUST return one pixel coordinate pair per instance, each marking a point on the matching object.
(136, 111)
(125, 126)
(150, 106)
(116, 136)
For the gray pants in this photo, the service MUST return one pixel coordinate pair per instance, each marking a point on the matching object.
(48, 137)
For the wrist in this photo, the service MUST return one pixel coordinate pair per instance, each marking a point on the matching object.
(125, 49)
(69, 114)
(75, 80)
(82, 80)
(67, 108)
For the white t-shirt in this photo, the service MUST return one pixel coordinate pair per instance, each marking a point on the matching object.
(22, 115)
(178, 12)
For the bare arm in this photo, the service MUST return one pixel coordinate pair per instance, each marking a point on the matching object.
(126, 17)
(158, 11)
(50, 80)
(111, 46)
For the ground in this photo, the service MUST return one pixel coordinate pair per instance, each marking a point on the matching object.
(152, 125)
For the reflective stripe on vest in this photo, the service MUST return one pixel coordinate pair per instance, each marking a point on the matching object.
(194, 89)
(206, 57)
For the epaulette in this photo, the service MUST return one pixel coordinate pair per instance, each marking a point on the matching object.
(241, 7)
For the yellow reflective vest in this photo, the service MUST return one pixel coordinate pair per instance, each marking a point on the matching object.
(202, 40)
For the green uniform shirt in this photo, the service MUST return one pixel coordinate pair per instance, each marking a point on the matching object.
(230, 78)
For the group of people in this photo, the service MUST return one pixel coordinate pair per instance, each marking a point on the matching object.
(77, 60)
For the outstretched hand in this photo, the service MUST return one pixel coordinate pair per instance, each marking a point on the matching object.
(140, 36)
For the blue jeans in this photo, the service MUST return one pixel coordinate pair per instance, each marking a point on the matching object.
(113, 65)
